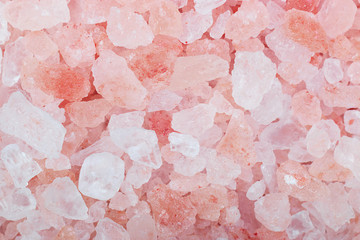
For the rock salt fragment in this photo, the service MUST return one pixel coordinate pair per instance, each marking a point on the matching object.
(221, 170)
(58, 164)
(256, 190)
(144, 222)
(124, 120)
(163, 100)
(185, 144)
(189, 166)
(218, 29)
(194, 26)
(332, 70)
(306, 107)
(354, 72)
(4, 31)
(40, 44)
(206, 6)
(300, 224)
(107, 229)
(317, 142)
(352, 121)
(347, 154)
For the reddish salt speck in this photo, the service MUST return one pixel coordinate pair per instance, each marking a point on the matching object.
(66, 233)
(306, 107)
(173, 213)
(62, 82)
(160, 122)
(304, 5)
(303, 28)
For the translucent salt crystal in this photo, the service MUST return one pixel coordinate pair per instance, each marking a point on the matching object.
(4, 31)
(124, 120)
(273, 211)
(190, 71)
(317, 142)
(187, 184)
(120, 85)
(211, 136)
(180, 3)
(206, 6)
(264, 153)
(17, 204)
(141, 208)
(341, 212)
(299, 152)
(347, 96)
(83, 230)
(144, 222)
(128, 29)
(232, 215)
(185, 144)
(256, 190)
(354, 195)
(347, 154)
(92, 12)
(331, 128)
(189, 166)
(140, 144)
(96, 211)
(63, 198)
(88, 114)
(300, 224)
(40, 44)
(194, 121)
(332, 70)
(249, 20)
(352, 121)
(252, 70)
(336, 17)
(19, 118)
(221, 104)
(354, 72)
(306, 107)
(221, 170)
(315, 234)
(218, 29)
(194, 26)
(163, 100)
(138, 174)
(276, 14)
(124, 199)
(295, 73)
(110, 230)
(165, 19)
(20, 166)
(101, 175)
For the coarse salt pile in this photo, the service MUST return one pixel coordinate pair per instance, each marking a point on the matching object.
(180, 119)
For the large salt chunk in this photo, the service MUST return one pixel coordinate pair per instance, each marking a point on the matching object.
(110, 230)
(194, 121)
(273, 211)
(190, 71)
(352, 121)
(206, 6)
(194, 26)
(128, 29)
(140, 144)
(300, 224)
(252, 70)
(101, 175)
(20, 166)
(120, 85)
(347, 154)
(184, 144)
(63, 198)
(19, 118)
(36, 14)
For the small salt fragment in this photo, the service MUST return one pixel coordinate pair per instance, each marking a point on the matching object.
(93, 12)
(163, 100)
(185, 144)
(221, 104)
(206, 6)
(221, 170)
(252, 70)
(317, 142)
(187, 184)
(194, 121)
(144, 222)
(347, 96)
(300, 224)
(142, 207)
(194, 26)
(264, 153)
(58, 164)
(276, 14)
(63, 198)
(41, 45)
(138, 174)
(352, 121)
(218, 29)
(354, 72)
(332, 70)
(124, 199)
(124, 120)
(20, 166)
(4, 31)
(306, 107)
(96, 211)
(273, 211)
(314, 234)
(128, 29)
(189, 166)
(101, 175)
(295, 73)
(107, 229)
(256, 190)
(190, 71)
(19, 118)
(347, 154)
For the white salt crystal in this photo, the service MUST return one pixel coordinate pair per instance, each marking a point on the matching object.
(19, 118)
(232, 215)
(255, 71)
(218, 29)
(124, 120)
(20, 166)
(194, 25)
(63, 198)
(317, 142)
(352, 121)
(185, 144)
(164, 100)
(300, 224)
(107, 229)
(4, 32)
(189, 166)
(256, 190)
(138, 174)
(206, 6)
(144, 222)
(101, 175)
(332, 70)
(347, 154)
(221, 170)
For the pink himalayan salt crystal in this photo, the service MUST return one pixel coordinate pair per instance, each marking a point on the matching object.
(128, 29)
(165, 19)
(218, 29)
(163, 100)
(341, 212)
(138, 174)
(347, 154)
(76, 45)
(256, 190)
(347, 96)
(276, 14)
(19, 118)
(110, 230)
(332, 70)
(40, 44)
(219, 47)
(88, 114)
(160, 122)
(221, 104)
(185, 144)
(303, 28)
(90, 12)
(194, 121)
(337, 16)
(58, 164)
(144, 222)
(264, 153)
(19, 165)
(63, 198)
(172, 212)
(189, 166)
(250, 19)
(222, 170)
(187, 184)
(101, 175)
(300, 224)
(124, 120)
(296, 72)
(97, 211)
(352, 121)
(191, 71)
(250, 45)
(238, 144)
(142, 207)
(273, 211)
(252, 70)
(4, 31)
(353, 73)
(118, 86)
(354, 195)
(36, 15)
(67, 232)
(206, 6)
(124, 199)
(306, 107)
(317, 142)
(344, 49)
(194, 26)
(326, 169)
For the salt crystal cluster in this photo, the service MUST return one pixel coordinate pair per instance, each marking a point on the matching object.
(179, 119)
